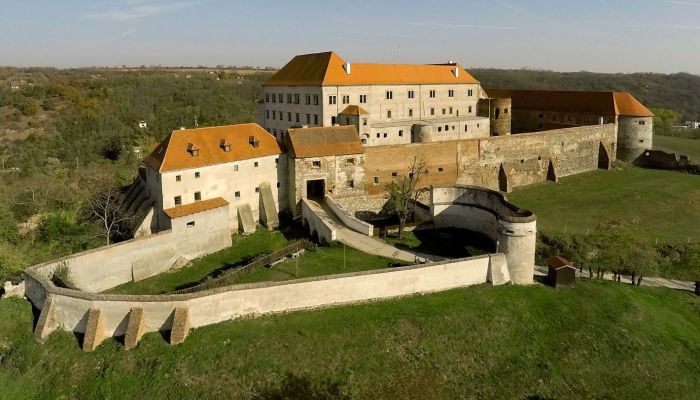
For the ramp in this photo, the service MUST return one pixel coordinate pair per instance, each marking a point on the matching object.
(246, 222)
(268, 211)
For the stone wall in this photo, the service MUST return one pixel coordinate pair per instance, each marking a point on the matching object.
(311, 216)
(495, 162)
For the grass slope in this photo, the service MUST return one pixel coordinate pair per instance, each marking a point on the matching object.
(665, 204)
(678, 145)
(600, 340)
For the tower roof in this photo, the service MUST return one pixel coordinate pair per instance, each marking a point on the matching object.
(328, 69)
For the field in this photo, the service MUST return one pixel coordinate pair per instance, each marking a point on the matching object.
(323, 261)
(678, 145)
(663, 205)
(599, 340)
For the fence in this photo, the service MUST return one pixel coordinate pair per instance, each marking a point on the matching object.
(260, 261)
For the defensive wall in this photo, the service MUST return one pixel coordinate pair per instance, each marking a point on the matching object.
(97, 316)
(499, 163)
(514, 230)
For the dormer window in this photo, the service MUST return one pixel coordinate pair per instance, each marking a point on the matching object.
(253, 142)
(225, 146)
(193, 150)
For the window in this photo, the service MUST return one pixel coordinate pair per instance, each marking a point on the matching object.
(363, 98)
(450, 110)
(281, 98)
(470, 93)
(444, 111)
(308, 99)
(364, 121)
(333, 120)
(432, 94)
(411, 94)
(197, 174)
(439, 129)
(315, 119)
(364, 141)
(331, 99)
(350, 184)
(376, 180)
(316, 163)
(470, 110)
(197, 196)
(278, 185)
(440, 169)
(178, 200)
(315, 99)
(349, 161)
(346, 99)
(394, 174)
(410, 112)
(255, 164)
(432, 111)
(466, 128)
(296, 99)
(237, 195)
(178, 178)
(267, 97)
(641, 140)
(235, 167)
(505, 110)
(389, 95)
(401, 133)
(450, 93)
(289, 98)
(308, 118)
(447, 128)
(379, 135)
(274, 98)
(190, 224)
(267, 114)
(642, 123)
(297, 117)
(273, 114)
(257, 189)
(386, 135)
(277, 160)
(388, 114)
(289, 117)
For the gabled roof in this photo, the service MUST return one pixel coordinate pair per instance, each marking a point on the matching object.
(329, 69)
(353, 110)
(557, 262)
(604, 103)
(175, 151)
(324, 141)
(196, 207)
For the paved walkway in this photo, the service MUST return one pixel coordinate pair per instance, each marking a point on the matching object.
(365, 243)
(646, 281)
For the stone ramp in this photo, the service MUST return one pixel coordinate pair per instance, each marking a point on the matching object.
(246, 222)
(269, 217)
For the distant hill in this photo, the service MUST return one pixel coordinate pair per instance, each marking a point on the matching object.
(680, 92)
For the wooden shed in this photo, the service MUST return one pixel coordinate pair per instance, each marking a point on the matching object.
(561, 274)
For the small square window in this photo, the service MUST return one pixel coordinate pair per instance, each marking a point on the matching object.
(376, 180)
(401, 133)
(388, 114)
(379, 135)
(410, 112)
(178, 178)
(394, 174)
(235, 167)
(197, 196)
(190, 224)
(439, 129)
(316, 164)
(257, 190)
(364, 121)
(255, 164)
(440, 169)
(350, 161)
(197, 175)
(386, 134)
(178, 200)
(350, 184)
(432, 111)
(237, 195)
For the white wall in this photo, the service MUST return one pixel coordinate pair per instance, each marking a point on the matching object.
(349, 221)
(311, 216)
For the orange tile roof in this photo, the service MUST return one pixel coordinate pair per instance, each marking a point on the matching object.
(327, 69)
(172, 153)
(196, 207)
(354, 110)
(606, 103)
(324, 141)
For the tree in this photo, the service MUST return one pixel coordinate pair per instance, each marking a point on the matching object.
(106, 208)
(665, 119)
(404, 192)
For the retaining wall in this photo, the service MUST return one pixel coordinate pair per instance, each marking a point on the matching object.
(349, 221)
(323, 229)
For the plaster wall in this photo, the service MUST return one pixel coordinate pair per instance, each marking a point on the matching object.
(348, 219)
(311, 216)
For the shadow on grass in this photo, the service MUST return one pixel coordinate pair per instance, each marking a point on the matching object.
(217, 273)
(450, 242)
(295, 387)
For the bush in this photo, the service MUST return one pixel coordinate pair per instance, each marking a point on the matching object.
(62, 276)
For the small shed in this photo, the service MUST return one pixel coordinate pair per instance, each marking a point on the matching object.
(561, 274)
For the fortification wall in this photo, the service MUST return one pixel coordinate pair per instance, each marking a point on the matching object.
(526, 158)
(106, 267)
(635, 136)
(485, 211)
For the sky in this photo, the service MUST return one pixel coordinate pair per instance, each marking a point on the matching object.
(571, 35)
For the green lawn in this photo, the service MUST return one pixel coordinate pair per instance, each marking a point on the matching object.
(599, 340)
(670, 144)
(664, 205)
(323, 261)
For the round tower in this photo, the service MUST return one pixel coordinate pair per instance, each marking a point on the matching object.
(517, 240)
(634, 137)
(500, 116)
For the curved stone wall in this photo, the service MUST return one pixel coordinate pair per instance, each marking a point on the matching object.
(635, 135)
(514, 230)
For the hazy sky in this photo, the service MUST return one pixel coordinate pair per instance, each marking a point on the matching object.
(594, 35)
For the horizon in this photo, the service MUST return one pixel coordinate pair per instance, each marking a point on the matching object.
(598, 36)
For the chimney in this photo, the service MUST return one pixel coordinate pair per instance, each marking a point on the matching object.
(347, 68)
(456, 71)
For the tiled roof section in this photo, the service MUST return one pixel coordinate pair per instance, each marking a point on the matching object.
(175, 152)
(604, 103)
(328, 69)
(354, 110)
(324, 141)
(628, 106)
(196, 207)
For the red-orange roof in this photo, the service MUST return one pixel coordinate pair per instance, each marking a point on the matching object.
(558, 262)
(175, 151)
(196, 207)
(604, 103)
(354, 110)
(324, 141)
(328, 69)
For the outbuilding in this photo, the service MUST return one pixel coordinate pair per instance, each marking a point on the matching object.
(561, 274)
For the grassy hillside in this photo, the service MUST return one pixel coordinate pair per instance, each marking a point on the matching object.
(680, 92)
(679, 145)
(600, 340)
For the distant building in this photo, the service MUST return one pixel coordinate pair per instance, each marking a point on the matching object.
(15, 84)
(692, 124)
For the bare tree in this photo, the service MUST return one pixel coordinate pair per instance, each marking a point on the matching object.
(404, 192)
(106, 208)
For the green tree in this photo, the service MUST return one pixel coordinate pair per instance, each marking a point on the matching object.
(664, 120)
(404, 192)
